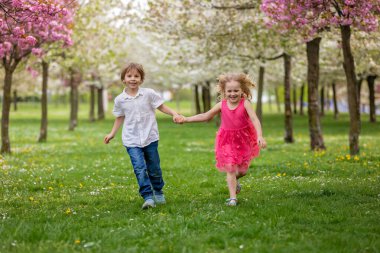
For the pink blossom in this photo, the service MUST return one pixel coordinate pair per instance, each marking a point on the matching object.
(315, 15)
(2, 52)
(7, 46)
(31, 40)
(34, 22)
(17, 3)
(18, 31)
(32, 72)
(37, 52)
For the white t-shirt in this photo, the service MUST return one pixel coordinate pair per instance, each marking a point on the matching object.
(140, 125)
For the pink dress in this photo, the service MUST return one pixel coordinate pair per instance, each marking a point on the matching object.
(236, 141)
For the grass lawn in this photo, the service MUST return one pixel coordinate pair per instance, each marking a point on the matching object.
(75, 194)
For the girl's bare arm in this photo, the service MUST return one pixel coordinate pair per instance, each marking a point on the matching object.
(202, 117)
(256, 122)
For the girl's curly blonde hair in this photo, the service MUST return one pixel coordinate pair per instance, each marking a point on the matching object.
(245, 83)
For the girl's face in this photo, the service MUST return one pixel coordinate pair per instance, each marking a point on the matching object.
(132, 79)
(233, 92)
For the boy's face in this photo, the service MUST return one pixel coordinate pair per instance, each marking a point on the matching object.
(132, 79)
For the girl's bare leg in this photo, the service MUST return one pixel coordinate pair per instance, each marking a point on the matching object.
(238, 185)
(231, 181)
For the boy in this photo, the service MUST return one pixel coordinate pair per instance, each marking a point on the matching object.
(135, 109)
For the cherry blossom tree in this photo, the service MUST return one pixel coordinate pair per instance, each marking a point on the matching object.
(310, 17)
(26, 25)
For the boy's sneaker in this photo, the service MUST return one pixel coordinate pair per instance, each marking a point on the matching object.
(149, 203)
(160, 199)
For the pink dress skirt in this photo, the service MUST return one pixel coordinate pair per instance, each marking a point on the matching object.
(236, 141)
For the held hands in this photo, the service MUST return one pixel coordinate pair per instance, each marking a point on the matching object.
(178, 119)
(262, 142)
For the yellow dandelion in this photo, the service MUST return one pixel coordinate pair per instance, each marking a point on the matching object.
(77, 241)
(61, 185)
(68, 211)
(50, 188)
(31, 198)
(80, 185)
(279, 174)
(284, 174)
(348, 157)
(356, 158)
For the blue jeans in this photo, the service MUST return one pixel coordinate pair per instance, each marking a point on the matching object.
(146, 165)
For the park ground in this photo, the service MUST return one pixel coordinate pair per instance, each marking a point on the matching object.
(75, 194)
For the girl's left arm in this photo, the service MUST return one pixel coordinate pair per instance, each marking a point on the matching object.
(256, 122)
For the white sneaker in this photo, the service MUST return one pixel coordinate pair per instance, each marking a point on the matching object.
(160, 199)
(149, 203)
(231, 202)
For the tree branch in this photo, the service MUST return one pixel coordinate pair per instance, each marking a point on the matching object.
(337, 8)
(247, 6)
(275, 57)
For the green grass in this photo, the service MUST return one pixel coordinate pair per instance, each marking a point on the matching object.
(75, 194)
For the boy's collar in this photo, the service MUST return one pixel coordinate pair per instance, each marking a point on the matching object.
(127, 96)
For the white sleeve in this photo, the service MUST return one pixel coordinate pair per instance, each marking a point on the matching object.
(155, 99)
(117, 110)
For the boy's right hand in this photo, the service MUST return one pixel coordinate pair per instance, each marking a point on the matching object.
(108, 138)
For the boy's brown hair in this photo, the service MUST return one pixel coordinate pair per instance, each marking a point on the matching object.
(133, 66)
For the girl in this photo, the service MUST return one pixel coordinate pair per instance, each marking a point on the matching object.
(239, 137)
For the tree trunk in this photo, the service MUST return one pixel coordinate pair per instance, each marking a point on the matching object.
(353, 106)
(5, 142)
(92, 103)
(301, 99)
(288, 110)
(336, 111)
(73, 101)
(277, 100)
(15, 100)
(322, 99)
(316, 138)
(328, 100)
(100, 104)
(259, 107)
(371, 90)
(359, 87)
(196, 98)
(206, 97)
(44, 109)
(294, 100)
(9, 68)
